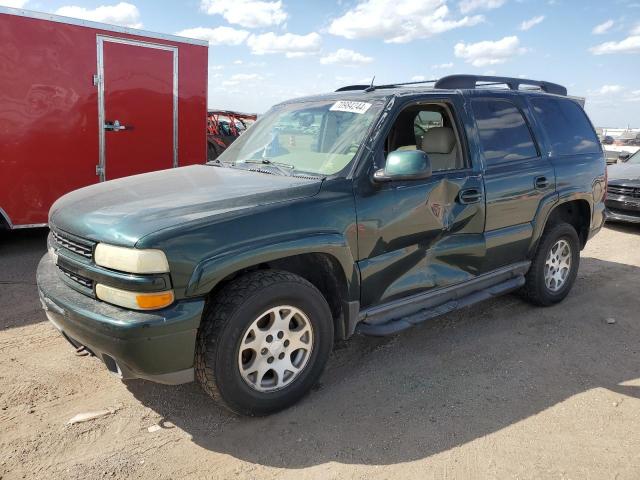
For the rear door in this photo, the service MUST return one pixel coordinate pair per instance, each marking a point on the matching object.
(137, 107)
(518, 177)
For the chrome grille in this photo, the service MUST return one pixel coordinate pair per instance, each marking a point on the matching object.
(84, 281)
(633, 192)
(80, 248)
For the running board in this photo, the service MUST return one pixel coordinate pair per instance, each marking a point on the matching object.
(423, 313)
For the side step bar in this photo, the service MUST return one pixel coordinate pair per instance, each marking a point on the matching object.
(434, 304)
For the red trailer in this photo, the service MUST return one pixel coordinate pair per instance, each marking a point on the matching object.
(83, 102)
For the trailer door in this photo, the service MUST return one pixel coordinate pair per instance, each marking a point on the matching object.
(137, 107)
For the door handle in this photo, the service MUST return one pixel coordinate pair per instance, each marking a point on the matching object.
(541, 182)
(115, 126)
(471, 195)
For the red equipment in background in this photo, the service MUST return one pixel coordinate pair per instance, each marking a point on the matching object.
(223, 127)
(83, 102)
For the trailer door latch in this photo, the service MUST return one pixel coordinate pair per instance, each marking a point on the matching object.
(115, 126)
(99, 170)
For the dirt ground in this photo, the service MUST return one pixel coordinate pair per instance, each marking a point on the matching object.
(501, 390)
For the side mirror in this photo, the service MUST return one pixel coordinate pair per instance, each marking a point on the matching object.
(404, 165)
(624, 156)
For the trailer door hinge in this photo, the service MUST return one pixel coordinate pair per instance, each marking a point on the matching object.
(96, 80)
(99, 170)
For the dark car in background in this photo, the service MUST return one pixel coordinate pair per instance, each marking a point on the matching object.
(623, 192)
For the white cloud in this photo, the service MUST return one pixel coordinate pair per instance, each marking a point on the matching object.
(216, 36)
(488, 52)
(467, 6)
(603, 27)
(239, 78)
(609, 89)
(532, 22)
(290, 44)
(13, 3)
(628, 45)
(443, 66)
(345, 57)
(247, 13)
(418, 78)
(398, 21)
(123, 13)
(636, 30)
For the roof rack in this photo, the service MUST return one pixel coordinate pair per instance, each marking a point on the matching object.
(469, 82)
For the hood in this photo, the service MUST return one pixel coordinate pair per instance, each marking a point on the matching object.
(624, 174)
(123, 211)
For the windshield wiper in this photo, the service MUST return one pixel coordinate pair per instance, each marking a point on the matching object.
(216, 163)
(283, 168)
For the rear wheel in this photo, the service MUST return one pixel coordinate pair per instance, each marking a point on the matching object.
(264, 342)
(554, 267)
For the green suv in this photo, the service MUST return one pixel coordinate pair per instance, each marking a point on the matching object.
(370, 209)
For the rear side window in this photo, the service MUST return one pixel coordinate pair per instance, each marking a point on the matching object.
(503, 131)
(566, 126)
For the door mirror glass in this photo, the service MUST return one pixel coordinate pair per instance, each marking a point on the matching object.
(404, 165)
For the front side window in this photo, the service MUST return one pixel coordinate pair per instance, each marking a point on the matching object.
(504, 134)
(566, 126)
(317, 137)
(430, 128)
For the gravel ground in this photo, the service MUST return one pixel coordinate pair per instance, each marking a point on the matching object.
(500, 390)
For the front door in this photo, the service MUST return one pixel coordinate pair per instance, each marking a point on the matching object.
(423, 234)
(137, 104)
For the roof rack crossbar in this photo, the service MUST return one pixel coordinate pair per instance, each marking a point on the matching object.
(471, 81)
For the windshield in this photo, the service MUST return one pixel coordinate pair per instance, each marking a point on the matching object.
(634, 159)
(319, 137)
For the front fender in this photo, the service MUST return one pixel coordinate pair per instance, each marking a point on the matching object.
(209, 272)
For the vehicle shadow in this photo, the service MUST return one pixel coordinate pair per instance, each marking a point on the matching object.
(455, 379)
(20, 252)
(623, 227)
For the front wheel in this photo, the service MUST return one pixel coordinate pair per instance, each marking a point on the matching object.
(554, 267)
(264, 342)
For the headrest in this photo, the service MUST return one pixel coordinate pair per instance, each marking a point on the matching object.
(439, 140)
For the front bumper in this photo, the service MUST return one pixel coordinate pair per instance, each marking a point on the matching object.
(157, 346)
(621, 209)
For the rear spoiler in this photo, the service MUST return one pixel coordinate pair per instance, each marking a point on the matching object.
(580, 100)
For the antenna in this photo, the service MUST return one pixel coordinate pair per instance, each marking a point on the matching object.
(370, 88)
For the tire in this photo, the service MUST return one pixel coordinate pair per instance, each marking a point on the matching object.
(536, 290)
(234, 333)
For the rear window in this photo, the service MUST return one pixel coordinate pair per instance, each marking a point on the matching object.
(566, 126)
(503, 131)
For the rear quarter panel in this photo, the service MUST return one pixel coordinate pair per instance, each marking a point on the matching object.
(578, 177)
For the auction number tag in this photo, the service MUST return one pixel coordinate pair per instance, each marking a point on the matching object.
(349, 106)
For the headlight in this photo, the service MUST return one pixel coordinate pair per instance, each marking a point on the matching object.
(134, 300)
(131, 260)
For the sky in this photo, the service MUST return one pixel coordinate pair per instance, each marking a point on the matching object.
(262, 52)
